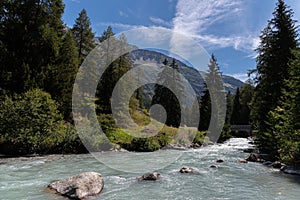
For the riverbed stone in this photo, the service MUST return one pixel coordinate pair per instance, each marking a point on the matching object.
(277, 165)
(290, 170)
(187, 170)
(81, 186)
(255, 157)
(150, 176)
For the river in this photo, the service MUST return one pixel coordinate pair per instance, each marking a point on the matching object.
(26, 178)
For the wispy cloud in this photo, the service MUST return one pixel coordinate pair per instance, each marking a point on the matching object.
(241, 76)
(122, 14)
(121, 26)
(160, 22)
(77, 1)
(196, 17)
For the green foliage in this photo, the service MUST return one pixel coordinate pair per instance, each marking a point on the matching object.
(31, 123)
(274, 54)
(290, 148)
(200, 138)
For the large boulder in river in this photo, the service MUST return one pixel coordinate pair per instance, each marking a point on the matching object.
(83, 185)
(150, 177)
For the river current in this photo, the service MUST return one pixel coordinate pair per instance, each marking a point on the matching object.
(27, 178)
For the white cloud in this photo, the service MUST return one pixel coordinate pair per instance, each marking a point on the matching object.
(160, 22)
(76, 1)
(241, 76)
(122, 26)
(122, 14)
(196, 17)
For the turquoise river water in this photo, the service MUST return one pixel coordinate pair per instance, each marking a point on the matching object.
(27, 178)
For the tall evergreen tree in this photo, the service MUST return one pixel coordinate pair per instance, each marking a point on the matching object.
(165, 96)
(62, 75)
(112, 74)
(108, 33)
(205, 110)
(218, 98)
(246, 94)
(83, 35)
(274, 53)
(236, 110)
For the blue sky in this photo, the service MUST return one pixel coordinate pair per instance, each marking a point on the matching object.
(229, 29)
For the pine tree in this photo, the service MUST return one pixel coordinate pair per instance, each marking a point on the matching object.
(274, 53)
(226, 131)
(112, 74)
(236, 110)
(83, 35)
(165, 96)
(218, 98)
(62, 75)
(246, 94)
(108, 33)
(288, 119)
(205, 110)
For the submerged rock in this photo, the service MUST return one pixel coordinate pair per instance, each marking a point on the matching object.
(80, 186)
(187, 170)
(219, 161)
(267, 163)
(213, 166)
(290, 170)
(277, 165)
(150, 176)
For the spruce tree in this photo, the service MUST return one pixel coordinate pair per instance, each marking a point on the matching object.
(165, 96)
(205, 110)
(246, 94)
(236, 110)
(83, 35)
(218, 98)
(274, 53)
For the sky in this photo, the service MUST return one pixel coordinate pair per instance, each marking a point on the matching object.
(229, 29)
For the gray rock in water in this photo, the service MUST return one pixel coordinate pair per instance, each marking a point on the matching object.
(187, 170)
(290, 170)
(277, 165)
(150, 176)
(83, 185)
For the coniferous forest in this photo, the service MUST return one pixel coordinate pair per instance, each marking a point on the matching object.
(40, 57)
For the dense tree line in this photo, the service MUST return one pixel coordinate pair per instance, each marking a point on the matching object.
(39, 59)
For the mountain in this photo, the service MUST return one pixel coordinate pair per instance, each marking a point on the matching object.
(193, 76)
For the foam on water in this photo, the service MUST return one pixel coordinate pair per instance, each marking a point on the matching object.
(26, 178)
